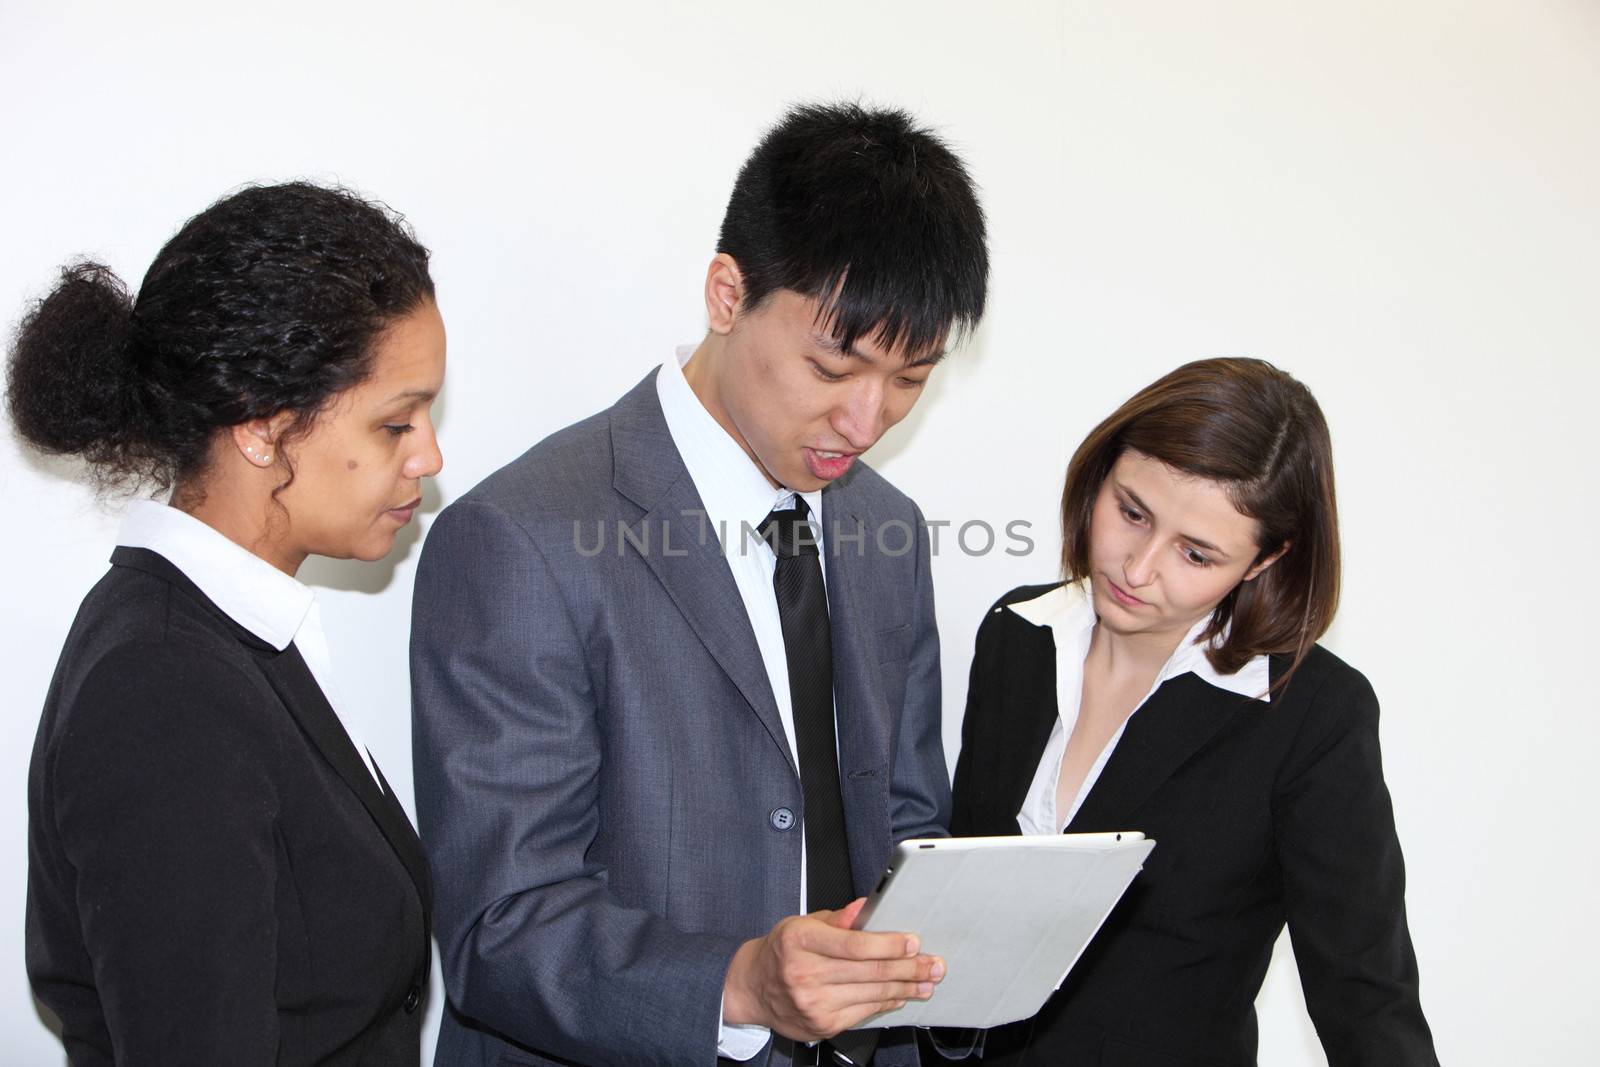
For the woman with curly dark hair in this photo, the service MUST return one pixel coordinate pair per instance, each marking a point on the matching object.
(217, 870)
(1173, 685)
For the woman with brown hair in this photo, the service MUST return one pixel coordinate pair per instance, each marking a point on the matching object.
(1173, 685)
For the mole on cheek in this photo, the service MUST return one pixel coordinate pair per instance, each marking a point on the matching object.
(351, 464)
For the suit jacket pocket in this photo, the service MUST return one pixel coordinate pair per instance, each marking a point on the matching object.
(893, 645)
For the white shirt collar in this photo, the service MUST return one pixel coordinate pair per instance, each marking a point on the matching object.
(249, 590)
(732, 487)
(1069, 610)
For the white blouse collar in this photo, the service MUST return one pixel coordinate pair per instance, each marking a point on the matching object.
(249, 590)
(1069, 609)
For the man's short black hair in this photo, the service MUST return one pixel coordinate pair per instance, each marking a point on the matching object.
(867, 212)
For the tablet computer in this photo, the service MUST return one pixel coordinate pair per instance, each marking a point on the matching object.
(1009, 916)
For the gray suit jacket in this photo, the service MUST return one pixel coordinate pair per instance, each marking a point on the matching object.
(603, 785)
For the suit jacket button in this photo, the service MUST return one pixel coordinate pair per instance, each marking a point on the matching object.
(781, 819)
(413, 998)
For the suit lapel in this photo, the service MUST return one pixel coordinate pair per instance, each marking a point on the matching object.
(297, 688)
(649, 471)
(1177, 721)
(406, 841)
(863, 719)
(861, 713)
(1031, 693)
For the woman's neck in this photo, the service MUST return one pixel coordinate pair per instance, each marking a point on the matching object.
(243, 518)
(1130, 657)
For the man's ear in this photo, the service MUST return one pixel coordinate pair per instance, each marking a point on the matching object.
(724, 292)
(1266, 561)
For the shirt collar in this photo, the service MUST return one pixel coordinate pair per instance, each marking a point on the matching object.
(249, 590)
(732, 487)
(1069, 610)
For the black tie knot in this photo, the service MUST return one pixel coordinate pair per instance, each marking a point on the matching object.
(789, 530)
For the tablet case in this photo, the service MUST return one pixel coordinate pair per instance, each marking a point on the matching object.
(1009, 915)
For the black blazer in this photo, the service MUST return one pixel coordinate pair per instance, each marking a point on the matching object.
(213, 875)
(1262, 813)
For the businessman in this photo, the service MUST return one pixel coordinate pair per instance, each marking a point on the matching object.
(675, 669)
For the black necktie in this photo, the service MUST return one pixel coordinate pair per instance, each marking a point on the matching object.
(808, 648)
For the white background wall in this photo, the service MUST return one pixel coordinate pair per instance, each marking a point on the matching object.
(1394, 201)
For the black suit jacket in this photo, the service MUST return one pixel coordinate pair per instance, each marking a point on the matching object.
(213, 875)
(1262, 813)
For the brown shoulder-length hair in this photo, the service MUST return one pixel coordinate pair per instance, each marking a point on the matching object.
(1253, 428)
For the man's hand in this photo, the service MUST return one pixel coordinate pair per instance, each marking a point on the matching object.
(812, 976)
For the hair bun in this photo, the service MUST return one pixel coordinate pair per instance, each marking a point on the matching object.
(72, 387)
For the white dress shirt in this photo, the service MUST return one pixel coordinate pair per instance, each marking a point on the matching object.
(1068, 611)
(737, 495)
(252, 592)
